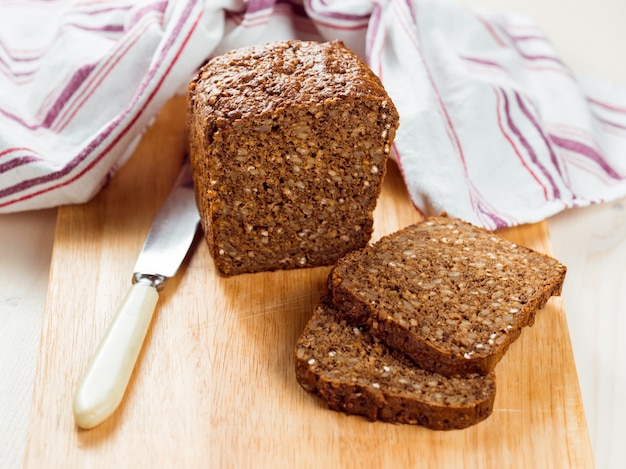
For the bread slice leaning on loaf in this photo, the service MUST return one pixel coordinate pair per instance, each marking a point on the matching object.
(288, 143)
(357, 374)
(450, 295)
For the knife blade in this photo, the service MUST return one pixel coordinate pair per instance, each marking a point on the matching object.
(102, 387)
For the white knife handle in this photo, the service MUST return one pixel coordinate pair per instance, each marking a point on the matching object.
(102, 387)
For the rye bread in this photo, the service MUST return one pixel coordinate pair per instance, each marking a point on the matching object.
(451, 296)
(288, 144)
(357, 374)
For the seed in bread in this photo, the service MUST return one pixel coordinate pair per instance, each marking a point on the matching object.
(450, 295)
(288, 144)
(357, 374)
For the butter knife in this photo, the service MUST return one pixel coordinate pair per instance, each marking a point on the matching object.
(103, 385)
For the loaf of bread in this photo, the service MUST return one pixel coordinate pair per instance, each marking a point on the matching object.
(288, 145)
(451, 296)
(357, 374)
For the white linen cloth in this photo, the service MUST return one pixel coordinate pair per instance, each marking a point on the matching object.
(494, 129)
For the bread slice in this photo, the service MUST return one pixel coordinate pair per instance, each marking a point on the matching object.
(288, 143)
(357, 374)
(451, 296)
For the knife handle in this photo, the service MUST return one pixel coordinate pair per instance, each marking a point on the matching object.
(102, 387)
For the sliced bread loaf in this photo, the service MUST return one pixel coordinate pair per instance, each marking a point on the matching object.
(451, 296)
(357, 374)
(288, 143)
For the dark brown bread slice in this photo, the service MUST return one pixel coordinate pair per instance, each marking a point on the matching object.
(357, 374)
(288, 143)
(451, 296)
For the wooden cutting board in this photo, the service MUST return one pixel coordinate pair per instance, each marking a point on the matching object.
(215, 384)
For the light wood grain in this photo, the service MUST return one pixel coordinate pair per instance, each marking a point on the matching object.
(215, 384)
(25, 252)
(594, 240)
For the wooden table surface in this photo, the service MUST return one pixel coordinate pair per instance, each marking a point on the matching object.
(217, 367)
(592, 242)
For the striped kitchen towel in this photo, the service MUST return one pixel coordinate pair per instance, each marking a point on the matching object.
(495, 128)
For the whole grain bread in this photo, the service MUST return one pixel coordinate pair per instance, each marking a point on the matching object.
(451, 296)
(288, 145)
(357, 374)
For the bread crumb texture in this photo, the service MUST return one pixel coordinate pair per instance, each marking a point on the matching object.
(357, 374)
(288, 143)
(450, 295)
